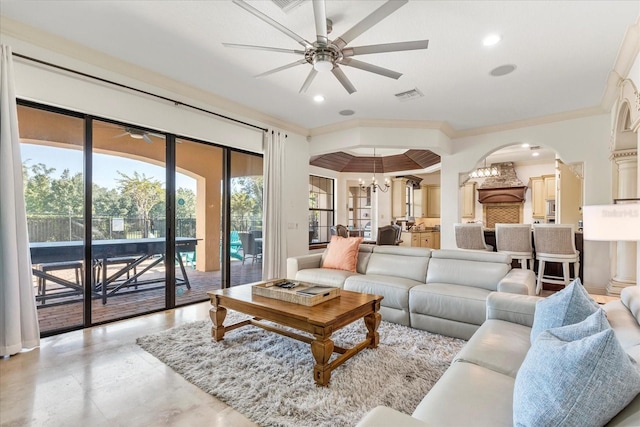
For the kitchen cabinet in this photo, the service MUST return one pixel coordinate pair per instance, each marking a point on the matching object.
(399, 197)
(431, 201)
(421, 239)
(549, 187)
(538, 203)
(469, 200)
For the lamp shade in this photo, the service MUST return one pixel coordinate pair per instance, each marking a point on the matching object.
(611, 222)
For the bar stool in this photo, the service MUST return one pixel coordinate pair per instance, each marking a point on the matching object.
(471, 236)
(556, 243)
(515, 240)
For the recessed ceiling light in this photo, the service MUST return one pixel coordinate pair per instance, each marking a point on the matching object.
(525, 145)
(318, 98)
(502, 70)
(346, 112)
(491, 40)
(535, 154)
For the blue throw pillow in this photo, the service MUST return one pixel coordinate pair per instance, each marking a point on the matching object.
(571, 305)
(576, 375)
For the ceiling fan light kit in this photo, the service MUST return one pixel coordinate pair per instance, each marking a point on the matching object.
(327, 55)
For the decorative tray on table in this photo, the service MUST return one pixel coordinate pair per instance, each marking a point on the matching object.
(295, 291)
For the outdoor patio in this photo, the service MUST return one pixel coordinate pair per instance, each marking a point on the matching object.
(57, 313)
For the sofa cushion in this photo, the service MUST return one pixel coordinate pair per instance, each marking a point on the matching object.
(468, 268)
(498, 345)
(570, 305)
(468, 395)
(624, 324)
(461, 303)
(342, 253)
(630, 297)
(324, 276)
(571, 368)
(398, 261)
(395, 290)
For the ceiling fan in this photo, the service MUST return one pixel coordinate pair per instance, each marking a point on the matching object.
(328, 55)
(136, 134)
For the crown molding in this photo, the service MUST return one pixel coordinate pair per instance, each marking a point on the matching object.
(443, 127)
(62, 46)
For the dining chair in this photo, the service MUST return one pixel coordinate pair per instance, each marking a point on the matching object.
(342, 230)
(471, 237)
(387, 235)
(515, 240)
(556, 243)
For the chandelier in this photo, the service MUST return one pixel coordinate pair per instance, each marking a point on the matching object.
(485, 172)
(374, 183)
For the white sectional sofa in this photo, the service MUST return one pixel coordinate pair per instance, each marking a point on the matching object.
(478, 388)
(442, 291)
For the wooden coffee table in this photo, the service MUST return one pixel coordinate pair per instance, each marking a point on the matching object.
(319, 320)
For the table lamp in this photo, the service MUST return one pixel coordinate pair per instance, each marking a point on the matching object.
(617, 222)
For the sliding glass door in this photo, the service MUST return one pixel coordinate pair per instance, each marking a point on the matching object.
(198, 198)
(52, 166)
(139, 190)
(246, 239)
(128, 230)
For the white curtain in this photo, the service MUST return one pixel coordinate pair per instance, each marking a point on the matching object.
(18, 316)
(274, 250)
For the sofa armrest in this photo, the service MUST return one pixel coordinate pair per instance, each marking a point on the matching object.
(512, 308)
(295, 264)
(518, 281)
(381, 416)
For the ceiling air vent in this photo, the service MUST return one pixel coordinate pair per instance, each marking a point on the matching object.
(408, 95)
(288, 5)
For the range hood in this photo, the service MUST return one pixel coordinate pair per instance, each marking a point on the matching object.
(504, 188)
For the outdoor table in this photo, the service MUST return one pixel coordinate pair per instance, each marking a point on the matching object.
(103, 250)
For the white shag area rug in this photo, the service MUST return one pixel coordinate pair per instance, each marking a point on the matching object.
(269, 377)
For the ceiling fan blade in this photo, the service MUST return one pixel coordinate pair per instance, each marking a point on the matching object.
(376, 16)
(121, 135)
(350, 62)
(343, 79)
(271, 49)
(284, 67)
(272, 22)
(307, 82)
(320, 15)
(147, 139)
(386, 47)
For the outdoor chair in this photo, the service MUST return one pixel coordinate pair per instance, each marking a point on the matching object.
(249, 247)
(235, 245)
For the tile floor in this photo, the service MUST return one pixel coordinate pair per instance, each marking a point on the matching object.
(100, 377)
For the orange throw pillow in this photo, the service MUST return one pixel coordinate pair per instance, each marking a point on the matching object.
(342, 253)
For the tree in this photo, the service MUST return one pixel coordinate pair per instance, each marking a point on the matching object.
(37, 189)
(187, 209)
(68, 194)
(145, 193)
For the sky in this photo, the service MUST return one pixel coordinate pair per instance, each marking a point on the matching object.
(105, 166)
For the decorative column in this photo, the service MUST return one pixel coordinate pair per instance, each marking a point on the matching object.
(625, 253)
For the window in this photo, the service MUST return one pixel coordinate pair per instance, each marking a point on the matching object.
(321, 213)
(409, 199)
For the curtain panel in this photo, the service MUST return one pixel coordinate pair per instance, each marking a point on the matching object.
(18, 315)
(274, 263)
